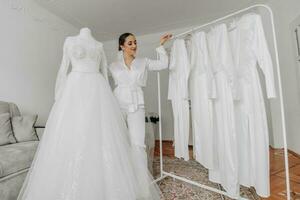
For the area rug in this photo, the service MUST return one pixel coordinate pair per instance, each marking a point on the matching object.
(173, 189)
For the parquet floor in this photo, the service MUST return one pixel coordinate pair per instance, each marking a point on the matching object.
(277, 172)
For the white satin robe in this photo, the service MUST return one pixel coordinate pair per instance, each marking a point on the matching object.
(129, 82)
(226, 172)
(250, 48)
(202, 91)
(129, 92)
(178, 94)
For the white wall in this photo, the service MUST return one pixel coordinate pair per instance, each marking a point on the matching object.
(31, 41)
(285, 13)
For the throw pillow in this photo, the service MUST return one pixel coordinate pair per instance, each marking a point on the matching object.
(23, 128)
(6, 134)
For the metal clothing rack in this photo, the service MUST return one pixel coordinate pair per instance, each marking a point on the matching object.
(164, 174)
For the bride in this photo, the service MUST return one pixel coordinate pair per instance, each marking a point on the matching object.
(85, 152)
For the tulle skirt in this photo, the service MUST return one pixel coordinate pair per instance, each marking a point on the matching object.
(85, 152)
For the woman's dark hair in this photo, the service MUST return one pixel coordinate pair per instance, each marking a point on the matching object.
(122, 39)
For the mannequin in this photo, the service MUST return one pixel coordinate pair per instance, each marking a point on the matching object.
(86, 33)
(80, 45)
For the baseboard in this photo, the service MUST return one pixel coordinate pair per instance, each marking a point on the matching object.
(289, 151)
(170, 141)
(281, 149)
(294, 153)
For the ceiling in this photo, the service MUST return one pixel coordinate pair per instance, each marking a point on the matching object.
(108, 19)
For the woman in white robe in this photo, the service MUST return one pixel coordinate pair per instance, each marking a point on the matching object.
(130, 76)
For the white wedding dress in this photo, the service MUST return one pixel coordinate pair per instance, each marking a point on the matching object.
(85, 152)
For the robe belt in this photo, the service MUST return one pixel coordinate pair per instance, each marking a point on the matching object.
(136, 96)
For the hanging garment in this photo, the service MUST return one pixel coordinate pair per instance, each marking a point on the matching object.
(225, 147)
(85, 151)
(202, 89)
(178, 94)
(250, 48)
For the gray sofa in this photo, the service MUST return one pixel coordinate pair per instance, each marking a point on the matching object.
(15, 159)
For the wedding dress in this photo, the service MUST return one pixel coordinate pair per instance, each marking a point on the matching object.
(85, 151)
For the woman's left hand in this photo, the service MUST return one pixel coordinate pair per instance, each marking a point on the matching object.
(165, 38)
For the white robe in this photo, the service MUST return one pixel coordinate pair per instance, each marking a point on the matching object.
(225, 147)
(202, 89)
(129, 93)
(178, 94)
(250, 48)
(129, 83)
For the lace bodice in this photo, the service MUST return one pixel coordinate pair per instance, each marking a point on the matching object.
(85, 55)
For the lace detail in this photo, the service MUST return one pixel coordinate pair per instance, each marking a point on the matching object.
(85, 56)
(78, 52)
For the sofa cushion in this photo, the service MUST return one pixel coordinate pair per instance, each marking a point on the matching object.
(6, 134)
(23, 127)
(10, 108)
(4, 107)
(16, 157)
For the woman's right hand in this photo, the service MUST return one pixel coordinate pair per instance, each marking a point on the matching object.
(165, 38)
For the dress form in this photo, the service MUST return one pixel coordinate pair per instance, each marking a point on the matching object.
(86, 33)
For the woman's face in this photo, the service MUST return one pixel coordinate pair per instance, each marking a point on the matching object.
(130, 45)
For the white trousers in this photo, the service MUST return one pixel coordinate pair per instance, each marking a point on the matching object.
(136, 126)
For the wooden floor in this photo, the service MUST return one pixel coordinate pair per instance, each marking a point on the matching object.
(277, 172)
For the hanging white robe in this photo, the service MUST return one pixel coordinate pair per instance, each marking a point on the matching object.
(250, 48)
(178, 94)
(202, 90)
(225, 145)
